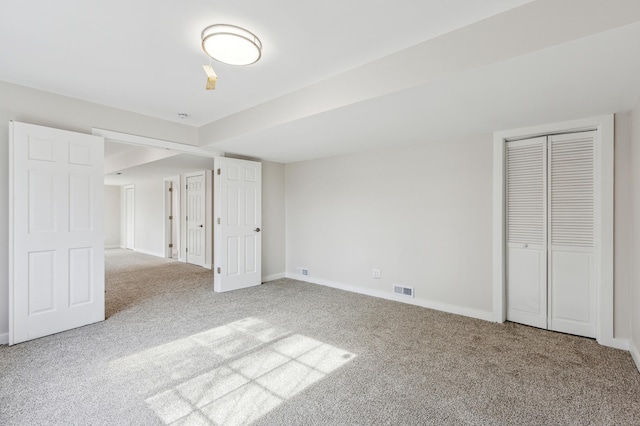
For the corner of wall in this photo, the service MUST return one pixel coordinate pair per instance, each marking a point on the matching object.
(634, 341)
(4, 229)
(634, 354)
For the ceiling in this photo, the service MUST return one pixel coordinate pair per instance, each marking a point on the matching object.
(125, 163)
(173, 166)
(338, 77)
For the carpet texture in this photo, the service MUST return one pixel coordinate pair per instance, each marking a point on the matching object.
(289, 353)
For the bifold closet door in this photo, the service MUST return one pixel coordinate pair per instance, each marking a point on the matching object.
(526, 164)
(572, 290)
(550, 233)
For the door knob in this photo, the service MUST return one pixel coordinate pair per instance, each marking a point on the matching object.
(200, 226)
(257, 229)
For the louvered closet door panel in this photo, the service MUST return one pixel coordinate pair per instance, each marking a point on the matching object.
(571, 165)
(526, 165)
(572, 292)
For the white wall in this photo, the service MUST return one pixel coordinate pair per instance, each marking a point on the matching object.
(634, 117)
(422, 215)
(273, 220)
(623, 221)
(4, 228)
(149, 216)
(112, 216)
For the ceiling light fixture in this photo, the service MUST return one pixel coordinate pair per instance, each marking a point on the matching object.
(231, 45)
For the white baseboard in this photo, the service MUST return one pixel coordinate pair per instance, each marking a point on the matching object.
(112, 247)
(431, 304)
(4, 339)
(150, 253)
(634, 353)
(616, 343)
(273, 277)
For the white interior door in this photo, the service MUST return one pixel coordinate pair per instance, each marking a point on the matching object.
(129, 213)
(572, 289)
(56, 231)
(195, 219)
(238, 218)
(527, 232)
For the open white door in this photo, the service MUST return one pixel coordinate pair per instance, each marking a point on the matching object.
(195, 219)
(238, 217)
(56, 231)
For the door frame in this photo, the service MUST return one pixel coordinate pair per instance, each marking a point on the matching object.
(169, 202)
(603, 217)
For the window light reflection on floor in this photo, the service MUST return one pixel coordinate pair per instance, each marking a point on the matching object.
(232, 374)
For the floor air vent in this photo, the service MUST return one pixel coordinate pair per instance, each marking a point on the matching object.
(403, 291)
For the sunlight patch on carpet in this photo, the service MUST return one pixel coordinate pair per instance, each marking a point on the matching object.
(232, 374)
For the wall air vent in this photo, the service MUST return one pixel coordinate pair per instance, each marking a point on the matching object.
(402, 290)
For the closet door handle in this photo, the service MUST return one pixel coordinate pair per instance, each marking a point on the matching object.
(257, 229)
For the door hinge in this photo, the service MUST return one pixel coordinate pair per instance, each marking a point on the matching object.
(186, 249)
(218, 269)
(170, 245)
(219, 172)
(170, 189)
(218, 221)
(170, 217)
(186, 186)
(186, 218)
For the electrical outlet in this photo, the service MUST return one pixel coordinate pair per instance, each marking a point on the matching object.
(376, 273)
(302, 271)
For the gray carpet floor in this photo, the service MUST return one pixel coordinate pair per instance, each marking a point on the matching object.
(289, 353)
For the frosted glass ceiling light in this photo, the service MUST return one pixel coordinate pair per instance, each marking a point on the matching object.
(231, 45)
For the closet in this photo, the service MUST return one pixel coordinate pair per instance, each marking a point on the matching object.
(550, 253)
